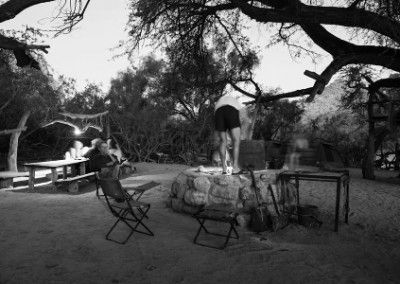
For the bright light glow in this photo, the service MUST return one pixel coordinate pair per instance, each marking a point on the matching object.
(77, 131)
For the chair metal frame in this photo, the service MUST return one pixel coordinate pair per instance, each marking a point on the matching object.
(122, 207)
(225, 217)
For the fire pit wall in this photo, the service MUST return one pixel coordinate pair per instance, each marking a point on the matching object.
(195, 187)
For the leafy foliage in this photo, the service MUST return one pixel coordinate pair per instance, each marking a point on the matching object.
(278, 121)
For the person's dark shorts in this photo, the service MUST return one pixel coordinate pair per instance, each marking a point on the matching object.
(226, 118)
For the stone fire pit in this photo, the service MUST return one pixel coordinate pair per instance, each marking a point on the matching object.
(195, 187)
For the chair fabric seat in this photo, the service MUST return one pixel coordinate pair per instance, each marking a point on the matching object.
(132, 202)
(217, 215)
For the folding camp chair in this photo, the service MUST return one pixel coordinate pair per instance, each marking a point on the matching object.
(122, 207)
(219, 213)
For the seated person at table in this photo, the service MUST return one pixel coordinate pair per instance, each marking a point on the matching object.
(75, 152)
(106, 163)
(117, 152)
(91, 152)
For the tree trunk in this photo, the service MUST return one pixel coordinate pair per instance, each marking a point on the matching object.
(107, 130)
(13, 148)
(368, 165)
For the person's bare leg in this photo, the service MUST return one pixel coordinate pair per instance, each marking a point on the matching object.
(222, 149)
(235, 135)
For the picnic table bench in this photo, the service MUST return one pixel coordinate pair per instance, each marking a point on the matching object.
(6, 177)
(64, 164)
(72, 182)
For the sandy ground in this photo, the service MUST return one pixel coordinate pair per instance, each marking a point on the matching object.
(56, 237)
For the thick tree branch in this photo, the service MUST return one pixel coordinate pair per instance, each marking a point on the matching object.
(237, 88)
(305, 14)
(11, 8)
(384, 56)
(294, 94)
(384, 83)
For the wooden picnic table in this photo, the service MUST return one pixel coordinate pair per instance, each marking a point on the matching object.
(341, 178)
(53, 165)
(6, 177)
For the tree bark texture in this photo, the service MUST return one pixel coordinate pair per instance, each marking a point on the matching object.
(13, 148)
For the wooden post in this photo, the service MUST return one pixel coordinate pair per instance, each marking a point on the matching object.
(31, 178)
(64, 172)
(82, 168)
(54, 176)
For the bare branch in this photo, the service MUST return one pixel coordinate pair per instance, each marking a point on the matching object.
(83, 116)
(84, 129)
(294, 94)
(11, 131)
(7, 102)
(61, 122)
(237, 88)
(354, 4)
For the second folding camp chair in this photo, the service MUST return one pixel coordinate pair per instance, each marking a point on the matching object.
(219, 213)
(124, 208)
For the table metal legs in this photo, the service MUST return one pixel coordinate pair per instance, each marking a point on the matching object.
(338, 186)
(347, 202)
(297, 183)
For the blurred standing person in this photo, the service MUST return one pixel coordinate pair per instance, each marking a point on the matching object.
(298, 145)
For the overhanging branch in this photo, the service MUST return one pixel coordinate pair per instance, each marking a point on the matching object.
(11, 8)
(299, 13)
(83, 116)
(384, 83)
(237, 88)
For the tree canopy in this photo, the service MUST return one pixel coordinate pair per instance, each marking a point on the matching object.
(373, 29)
